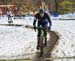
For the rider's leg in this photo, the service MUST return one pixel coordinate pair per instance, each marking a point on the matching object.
(8, 18)
(38, 38)
(45, 35)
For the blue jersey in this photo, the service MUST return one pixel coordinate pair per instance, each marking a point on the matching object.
(42, 20)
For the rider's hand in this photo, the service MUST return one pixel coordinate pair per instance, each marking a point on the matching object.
(34, 28)
(50, 24)
(49, 28)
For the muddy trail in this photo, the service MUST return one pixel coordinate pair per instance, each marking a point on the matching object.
(53, 40)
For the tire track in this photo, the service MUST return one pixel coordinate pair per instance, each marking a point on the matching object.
(53, 40)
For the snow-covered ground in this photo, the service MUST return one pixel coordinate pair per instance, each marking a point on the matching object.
(68, 16)
(23, 20)
(19, 41)
(66, 43)
(16, 42)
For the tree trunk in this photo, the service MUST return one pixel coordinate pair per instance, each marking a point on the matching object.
(56, 6)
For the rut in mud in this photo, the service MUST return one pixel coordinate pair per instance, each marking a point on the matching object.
(53, 40)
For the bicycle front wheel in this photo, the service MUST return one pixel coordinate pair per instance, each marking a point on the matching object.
(41, 46)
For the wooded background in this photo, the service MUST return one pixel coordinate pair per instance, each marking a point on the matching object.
(59, 6)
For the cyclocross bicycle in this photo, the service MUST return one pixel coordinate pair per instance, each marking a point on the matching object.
(41, 41)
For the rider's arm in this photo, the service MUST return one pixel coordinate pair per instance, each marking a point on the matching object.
(34, 22)
(48, 17)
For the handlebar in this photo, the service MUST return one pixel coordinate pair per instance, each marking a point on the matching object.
(27, 26)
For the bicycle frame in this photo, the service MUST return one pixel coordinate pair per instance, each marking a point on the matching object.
(42, 33)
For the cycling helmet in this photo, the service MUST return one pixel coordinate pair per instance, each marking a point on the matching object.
(41, 11)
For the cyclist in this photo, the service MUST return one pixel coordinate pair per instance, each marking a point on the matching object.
(42, 19)
(9, 14)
